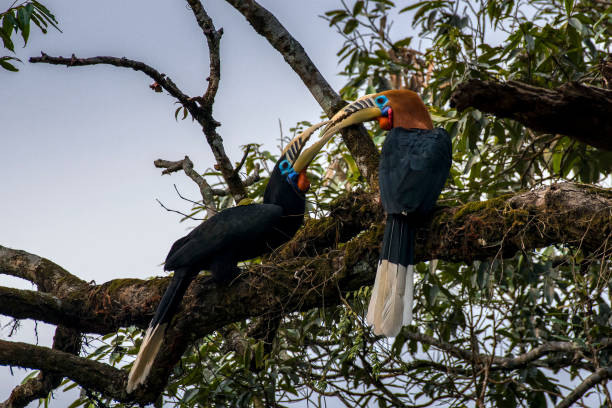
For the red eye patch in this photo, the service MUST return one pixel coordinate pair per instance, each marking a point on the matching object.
(303, 183)
(386, 122)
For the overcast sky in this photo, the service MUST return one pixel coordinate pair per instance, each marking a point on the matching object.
(77, 145)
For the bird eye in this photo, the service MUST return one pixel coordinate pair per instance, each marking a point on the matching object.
(284, 166)
(381, 100)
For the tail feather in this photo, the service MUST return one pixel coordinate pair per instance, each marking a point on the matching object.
(392, 295)
(154, 335)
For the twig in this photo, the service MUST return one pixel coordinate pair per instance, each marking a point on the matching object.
(178, 212)
(162, 79)
(187, 166)
(243, 160)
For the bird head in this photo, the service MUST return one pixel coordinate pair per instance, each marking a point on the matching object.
(394, 108)
(291, 166)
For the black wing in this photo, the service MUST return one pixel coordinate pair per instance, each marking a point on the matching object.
(414, 166)
(236, 231)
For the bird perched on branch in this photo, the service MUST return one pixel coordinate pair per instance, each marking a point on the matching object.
(414, 165)
(233, 235)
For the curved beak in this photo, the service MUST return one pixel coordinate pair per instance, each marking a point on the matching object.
(295, 146)
(362, 110)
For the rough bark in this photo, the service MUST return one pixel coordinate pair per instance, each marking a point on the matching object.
(303, 274)
(579, 111)
(66, 340)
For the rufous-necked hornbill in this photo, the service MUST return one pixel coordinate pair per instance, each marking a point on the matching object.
(414, 165)
(233, 235)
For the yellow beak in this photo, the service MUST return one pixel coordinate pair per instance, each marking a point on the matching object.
(293, 148)
(362, 110)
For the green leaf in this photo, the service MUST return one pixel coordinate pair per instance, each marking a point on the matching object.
(23, 21)
(569, 5)
(357, 8)
(8, 66)
(6, 40)
(405, 42)
(574, 22)
(350, 26)
(337, 18)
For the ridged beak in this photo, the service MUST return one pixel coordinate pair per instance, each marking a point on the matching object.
(362, 110)
(295, 146)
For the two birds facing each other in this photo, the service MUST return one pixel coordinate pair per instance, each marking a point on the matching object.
(414, 164)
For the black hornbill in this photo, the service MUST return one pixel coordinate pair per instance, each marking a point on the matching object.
(233, 235)
(414, 165)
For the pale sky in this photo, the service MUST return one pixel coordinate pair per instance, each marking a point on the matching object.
(77, 145)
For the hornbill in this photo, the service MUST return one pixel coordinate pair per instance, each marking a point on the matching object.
(414, 165)
(233, 235)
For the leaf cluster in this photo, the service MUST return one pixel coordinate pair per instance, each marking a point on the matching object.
(17, 19)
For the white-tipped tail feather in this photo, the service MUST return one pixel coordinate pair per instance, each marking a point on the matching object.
(390, 306)
(151, 343)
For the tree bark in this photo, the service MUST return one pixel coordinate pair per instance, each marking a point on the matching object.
(302, 274)
(579, 111)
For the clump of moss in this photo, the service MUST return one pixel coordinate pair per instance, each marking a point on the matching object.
(498, 203)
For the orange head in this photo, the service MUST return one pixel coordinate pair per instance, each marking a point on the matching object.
(394, 108)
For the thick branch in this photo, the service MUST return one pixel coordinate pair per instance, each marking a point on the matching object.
(602, 374)
(88, 373)
(66, 340)
(579, 111)
(356, 138)
(306, 273)
(46, 275)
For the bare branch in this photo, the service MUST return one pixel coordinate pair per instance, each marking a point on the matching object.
(65, 339)
(199, 108)
(497, 363)
(88, 373)
(602, 374)
(213, 38)
(209, 125)
(178, 212)
(46, 275)
(244, 157)
(187, 166)
(162, 79)
(579, 111)
(356, 138)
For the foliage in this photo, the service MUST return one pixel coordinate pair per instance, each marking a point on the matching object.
(16, 20)
(501, 307)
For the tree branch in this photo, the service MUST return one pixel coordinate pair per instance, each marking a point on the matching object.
(88, 373)
(162, 79)
(209, 124)
(602, 374)
(66, 340)
(312, 269)
(356, 138)
(46, 275)
(187, 166)
(579, 111)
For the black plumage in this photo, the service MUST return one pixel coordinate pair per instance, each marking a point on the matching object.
(218, 244)
(414, 166)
